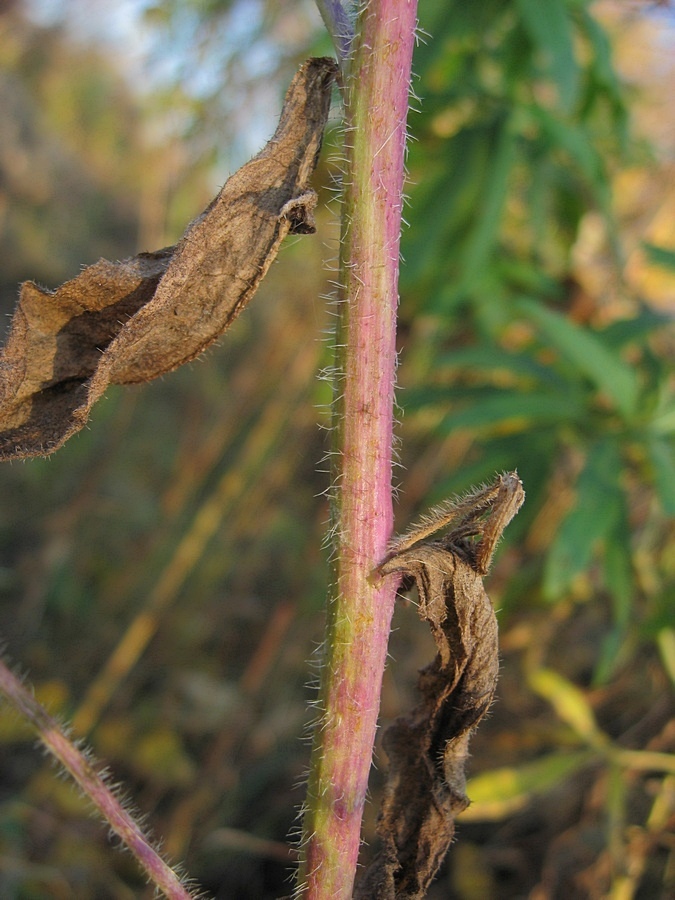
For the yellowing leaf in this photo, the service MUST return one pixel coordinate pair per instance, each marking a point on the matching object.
(502, 792)
(570, 705)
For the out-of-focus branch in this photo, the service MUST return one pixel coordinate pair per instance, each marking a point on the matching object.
(92, 784)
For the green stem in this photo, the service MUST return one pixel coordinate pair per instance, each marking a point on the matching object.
(376, 94)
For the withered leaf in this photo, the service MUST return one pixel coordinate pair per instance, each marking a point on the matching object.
(130, 321)
(427, 749)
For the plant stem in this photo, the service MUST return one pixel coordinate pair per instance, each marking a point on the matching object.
(376, 94)
(92, 785)
(339, 25)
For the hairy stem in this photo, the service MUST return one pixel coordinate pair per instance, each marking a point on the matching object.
(339, 25)
(92, 785)
(376, 94)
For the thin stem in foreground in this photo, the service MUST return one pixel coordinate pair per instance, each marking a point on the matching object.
(92, 785)
(376, 94)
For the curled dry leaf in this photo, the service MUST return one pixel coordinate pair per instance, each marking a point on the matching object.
(130, 321)
(427, 749)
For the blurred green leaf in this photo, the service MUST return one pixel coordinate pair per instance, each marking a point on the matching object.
(627, 331)
(493, 359)
(443, 395)
(513, 412)
(660, 256)
(663, 463)
(608, 656)
(586, 351)
(618, 570)
(597, 509)
(548, 25)
(601, 60)
(573, 140)
(664, 421)
(500, 793)
(526, 276)
(449, 192)
(495, 180)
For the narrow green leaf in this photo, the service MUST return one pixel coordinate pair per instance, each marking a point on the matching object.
(549, 28)
(664, 421)
(502, 792)
(491, 359)
(524, 274)
(663, 464)
(586, 163)
(602, 63)
(483, 237)
(608, 656)
(443, 395)
(514, 412)
(628, 331)
(660, 256)
(450, 189)
(585, 350)
(598, 508)
(618, 569)
(574, 140)
(603, 86)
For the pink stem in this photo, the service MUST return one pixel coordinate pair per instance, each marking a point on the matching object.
(359, 617)
(92, 785)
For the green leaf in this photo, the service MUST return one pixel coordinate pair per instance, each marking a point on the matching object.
(549, 28)
(492, 359)
(663, 463)
(574, 140)
(450, 189)
(602, 65)
(660, 256)
(629, 331)
(618, 570)
(496, 184)
(525, 275)
(442, 396)
(608, 656)
(586, 351)
(502, 792)
(664, 421)
(514, 412)
(598, 507)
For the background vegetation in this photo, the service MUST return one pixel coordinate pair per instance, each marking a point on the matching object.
(537, 300)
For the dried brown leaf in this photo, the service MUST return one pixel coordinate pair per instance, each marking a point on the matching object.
(130, 321)
(427, 749)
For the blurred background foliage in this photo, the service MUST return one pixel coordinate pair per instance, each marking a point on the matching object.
(162, 577)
